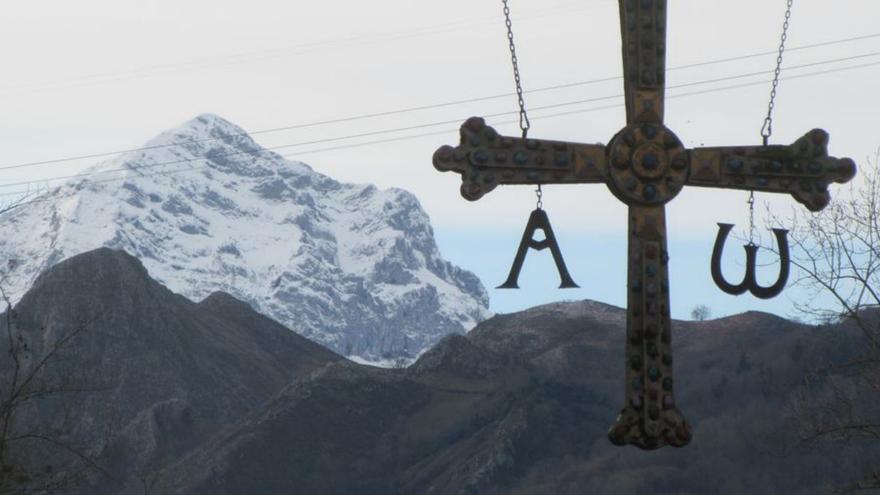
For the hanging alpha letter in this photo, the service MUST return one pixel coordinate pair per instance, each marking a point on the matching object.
(750, 283)
(538, 220)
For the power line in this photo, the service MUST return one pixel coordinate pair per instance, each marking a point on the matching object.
(443, 104)
(270, 53)
(402, 138)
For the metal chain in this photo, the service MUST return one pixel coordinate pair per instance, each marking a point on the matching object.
(751, 203)
(523, 116)
(540, 195)
(767, 128)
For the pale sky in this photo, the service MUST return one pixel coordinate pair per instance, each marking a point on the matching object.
(100, 75)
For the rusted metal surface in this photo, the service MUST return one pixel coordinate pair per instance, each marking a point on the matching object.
(645, 166)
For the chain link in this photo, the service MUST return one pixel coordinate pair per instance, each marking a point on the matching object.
(540, 195)
(524, 123)
(767, 128)
(751, 203)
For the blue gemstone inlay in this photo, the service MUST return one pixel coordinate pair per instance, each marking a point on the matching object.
(650, 161)
(521, 158)
(651, 270)
(561, 160)
(481, 157)
(650, 192)
(735, 164)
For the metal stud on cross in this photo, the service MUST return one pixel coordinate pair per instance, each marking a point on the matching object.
(645, 165)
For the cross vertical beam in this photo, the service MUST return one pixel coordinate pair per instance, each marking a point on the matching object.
(643, 35)
(643, 154)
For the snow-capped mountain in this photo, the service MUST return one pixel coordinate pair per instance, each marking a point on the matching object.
(207, 209)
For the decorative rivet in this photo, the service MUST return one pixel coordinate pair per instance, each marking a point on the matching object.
(636, 401)
(652, 349)
(475, 124)
(651, 289)
(480, 157)
(667, 383)
(734, 164)
(650, 192)
(762, 181)
(668, 402)
(651, 270)
(521, 158)
(776, 166)
(561, 160)
(444, 154)
(636, 285)
(631, 184)
(636, 362)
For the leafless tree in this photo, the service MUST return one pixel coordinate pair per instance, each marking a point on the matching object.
(28, 382)
(36, 453)
(701, 312)
(836, 254)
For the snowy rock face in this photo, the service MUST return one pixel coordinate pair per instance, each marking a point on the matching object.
(207, 209)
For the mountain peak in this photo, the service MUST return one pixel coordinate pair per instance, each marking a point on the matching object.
(207, 209)
(209, 124)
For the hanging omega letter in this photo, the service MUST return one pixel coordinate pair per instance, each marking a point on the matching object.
(538, 220)
(750, 283)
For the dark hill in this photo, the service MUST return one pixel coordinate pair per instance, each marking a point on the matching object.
(522, 406)
(212, 398)
(160, 372)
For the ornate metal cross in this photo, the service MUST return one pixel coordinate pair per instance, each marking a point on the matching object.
(645, 165)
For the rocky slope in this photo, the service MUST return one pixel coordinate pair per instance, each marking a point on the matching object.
(207, 209)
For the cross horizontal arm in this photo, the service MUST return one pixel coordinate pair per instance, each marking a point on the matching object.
(485, 159)
(802, 169)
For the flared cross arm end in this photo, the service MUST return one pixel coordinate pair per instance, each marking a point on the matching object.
(802, 169)
(485, 159)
